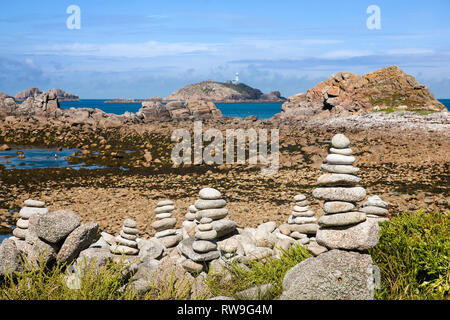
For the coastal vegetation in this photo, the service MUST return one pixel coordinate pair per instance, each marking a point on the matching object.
(413, 255)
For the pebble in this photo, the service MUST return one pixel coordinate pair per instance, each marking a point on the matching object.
(209, 194)
(344, 152)
(167, 223)
(301, 209)
(129, 223)
(303, 220)
(204, 227)
(192, 208)
(20, 233)
(300, 197)
(190, 216)
(338, 179)
(331, 207)
(297, 235)
(214, 214)
(27, 212)
(375, 210)
(118, 249)
(206, 220)
(342, 219)
(165, 233)
(126, 242)
(170, 241)
(308, 213)
(164, 215)
(339, 168)
(206, 235)
(34, 203)
(308, 228)
(127, 235)
(129, 230)
(210, 204)
(165, 203)
(303, 203)
(164, 209)
(376, 202)
(353, 194)
(338, 159)
(23, 223)
(340, 141)
(203, 246)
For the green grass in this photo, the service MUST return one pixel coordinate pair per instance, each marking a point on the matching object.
(413, 255)
(258, 273)
(391, 110)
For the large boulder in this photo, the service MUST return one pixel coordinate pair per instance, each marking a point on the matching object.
(55, 226)
(78, 240)
(333, 275)
(9, 258)
(362, 236)
(153, 110)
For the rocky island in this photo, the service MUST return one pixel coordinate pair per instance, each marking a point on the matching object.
(34, 92)
(223, 92)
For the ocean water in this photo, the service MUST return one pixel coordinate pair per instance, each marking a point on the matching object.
(36, 158)
(240, 110)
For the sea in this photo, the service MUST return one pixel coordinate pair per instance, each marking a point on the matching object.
(263, 110)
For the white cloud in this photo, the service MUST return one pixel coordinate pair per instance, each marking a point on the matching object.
(411, 51)
(344, 54)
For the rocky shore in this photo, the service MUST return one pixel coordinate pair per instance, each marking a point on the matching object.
(403, 156)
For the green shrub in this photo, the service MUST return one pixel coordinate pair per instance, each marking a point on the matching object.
(256, 273)
(413, 255)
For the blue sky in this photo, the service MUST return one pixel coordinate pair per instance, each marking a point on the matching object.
(140, 49)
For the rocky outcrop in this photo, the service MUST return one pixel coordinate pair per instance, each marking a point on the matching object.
(192, 110)
(62, 95)
(222, 91)
(346, 93)
(53, 93)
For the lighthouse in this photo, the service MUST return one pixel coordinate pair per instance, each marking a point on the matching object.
(236, 78)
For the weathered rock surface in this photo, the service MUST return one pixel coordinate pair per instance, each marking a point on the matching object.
(333, 275)
(55, 226)
(344, 93)
(78, 240)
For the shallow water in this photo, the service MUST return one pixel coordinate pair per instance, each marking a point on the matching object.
(4, 236)
(38, 158)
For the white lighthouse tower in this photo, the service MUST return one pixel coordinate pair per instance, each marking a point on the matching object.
(236, 78)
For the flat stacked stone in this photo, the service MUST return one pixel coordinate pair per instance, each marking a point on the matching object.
(338, 187)
(302, 223)
(31, 207)
(164, 226)
(376, 208)
(126, 241)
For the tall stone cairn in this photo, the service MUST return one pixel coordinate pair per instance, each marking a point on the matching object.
(30, 208)
(126, 241)
(164, 226)
(342, 226)
(302, 223)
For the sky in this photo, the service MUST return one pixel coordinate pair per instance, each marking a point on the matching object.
(141, 49)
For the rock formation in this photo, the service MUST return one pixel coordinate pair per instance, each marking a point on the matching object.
(30, 207)
(190, 223)
(335, 273)
(375, 208)
(126, 241)
(302, 224)
(346, 93)
(54, 93)
(222, 91)
(164, 226)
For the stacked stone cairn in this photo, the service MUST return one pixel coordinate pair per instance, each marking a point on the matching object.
(343, 225)
(376, 208)
(190, 223)
(126, 241)
(164, 226)
(302, 223)
(30, 208)
(210, 207)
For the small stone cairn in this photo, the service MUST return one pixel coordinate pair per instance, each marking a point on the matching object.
(190, 223)
(205, 236)
(302, 223)
(164, 226)
(342, 226)
(30, 208)
(376, 208)
(126, 240)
